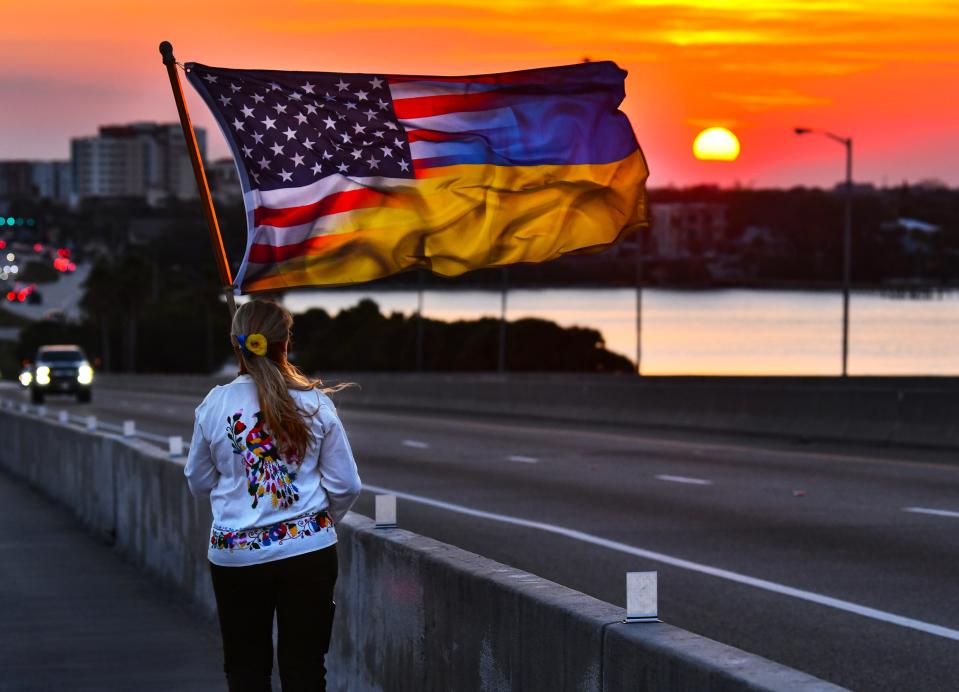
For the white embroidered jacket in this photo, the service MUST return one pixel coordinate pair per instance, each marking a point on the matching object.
(266, 507)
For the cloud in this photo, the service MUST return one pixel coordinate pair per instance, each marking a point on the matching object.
(801, 68)
(777, 98)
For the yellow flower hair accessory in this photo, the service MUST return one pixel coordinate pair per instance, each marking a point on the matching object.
(254, 344)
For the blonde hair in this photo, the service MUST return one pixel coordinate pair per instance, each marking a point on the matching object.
(274, 375)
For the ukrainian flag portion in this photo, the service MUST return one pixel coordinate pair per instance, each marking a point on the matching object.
(351, 177)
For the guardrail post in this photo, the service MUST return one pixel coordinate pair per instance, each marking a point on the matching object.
(129, 428)
(24, 408)
(641, 597)
(176, 446)
(385, 516)
(91, 423)
(63, 417)
(42, 411)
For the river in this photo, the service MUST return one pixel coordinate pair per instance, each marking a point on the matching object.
(715, 332)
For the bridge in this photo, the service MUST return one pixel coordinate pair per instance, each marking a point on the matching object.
(825, 544)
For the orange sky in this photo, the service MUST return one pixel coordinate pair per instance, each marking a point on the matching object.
(885, 72)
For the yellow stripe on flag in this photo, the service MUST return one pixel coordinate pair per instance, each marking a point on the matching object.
(465, 217)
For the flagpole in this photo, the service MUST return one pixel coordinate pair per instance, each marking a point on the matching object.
(216, 240)
(419, 320)
(504, 288)
(639, 301)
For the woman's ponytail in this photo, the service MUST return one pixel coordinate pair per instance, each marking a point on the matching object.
(261, 331)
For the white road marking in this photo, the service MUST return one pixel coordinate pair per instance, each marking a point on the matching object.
(416, 444)
(662, 443)
(810, 596)
(683, 479)
(937, 512)
(523, 460)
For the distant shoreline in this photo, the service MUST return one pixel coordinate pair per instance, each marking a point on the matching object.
(918, 292)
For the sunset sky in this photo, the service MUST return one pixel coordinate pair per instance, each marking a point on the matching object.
(885, 72)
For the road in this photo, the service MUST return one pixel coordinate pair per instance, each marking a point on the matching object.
(838, 561)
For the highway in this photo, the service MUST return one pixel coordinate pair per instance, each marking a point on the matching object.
(839, 561)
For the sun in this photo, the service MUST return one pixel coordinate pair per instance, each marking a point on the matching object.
(716, 144)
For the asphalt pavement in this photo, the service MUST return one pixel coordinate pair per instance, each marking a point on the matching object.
(840, 561)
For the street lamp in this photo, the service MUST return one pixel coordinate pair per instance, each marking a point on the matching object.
(846, 237)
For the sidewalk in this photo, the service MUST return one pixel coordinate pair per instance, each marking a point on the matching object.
(75, 617)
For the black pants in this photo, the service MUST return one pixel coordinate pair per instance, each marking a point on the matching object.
(300, 590)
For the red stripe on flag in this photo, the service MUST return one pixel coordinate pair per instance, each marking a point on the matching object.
(478, 79)
(424, 106)
(532, 76)
(317, 245)
(331, 204)
(432, 136)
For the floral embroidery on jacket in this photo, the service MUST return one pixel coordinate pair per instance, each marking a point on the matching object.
(266, 472)
(265, 536)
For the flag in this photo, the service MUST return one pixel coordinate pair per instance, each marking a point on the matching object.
(351, 177)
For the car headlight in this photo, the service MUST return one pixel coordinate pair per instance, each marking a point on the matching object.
(85, 374)
(43, 375)
(26, 378)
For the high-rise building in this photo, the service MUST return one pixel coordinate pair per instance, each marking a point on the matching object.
(146, 160)
(37, 179)
(224, 180)
(53, 180)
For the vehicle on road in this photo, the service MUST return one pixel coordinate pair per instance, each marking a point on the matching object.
(61, 369)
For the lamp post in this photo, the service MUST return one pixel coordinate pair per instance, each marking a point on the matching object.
(846, 237)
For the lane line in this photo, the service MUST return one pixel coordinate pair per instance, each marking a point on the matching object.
(683, 479)
(782, 589)
(416, 444)
(666, 443)
(523, 460)
(936, 512)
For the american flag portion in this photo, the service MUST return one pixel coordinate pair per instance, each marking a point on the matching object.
(328, 159)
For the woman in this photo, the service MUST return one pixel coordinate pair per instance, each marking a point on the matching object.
(270, 451)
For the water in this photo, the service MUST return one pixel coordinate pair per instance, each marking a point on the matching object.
(736, 331)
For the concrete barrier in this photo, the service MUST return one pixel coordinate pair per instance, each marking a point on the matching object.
(911, 411)
(413, 613)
